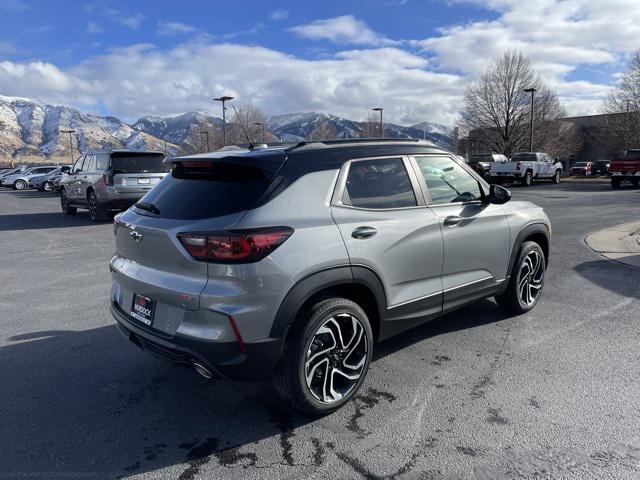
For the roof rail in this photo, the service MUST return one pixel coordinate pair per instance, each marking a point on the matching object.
(356, 141)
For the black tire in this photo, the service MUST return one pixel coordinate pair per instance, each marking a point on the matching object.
(511, 300)
(556, 177)
(635, 182)
(615, 183)
(20, 185)
(64, 204)
(47, 187)
(290, 379)
(487, 177)
(527, 180)
(97, 211)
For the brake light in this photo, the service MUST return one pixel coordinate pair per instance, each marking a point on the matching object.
(244, 246)
(517, 165)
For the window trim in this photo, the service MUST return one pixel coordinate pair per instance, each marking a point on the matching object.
(341, 184)
(482, 183)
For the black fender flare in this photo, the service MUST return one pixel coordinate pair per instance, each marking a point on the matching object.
(536, 228)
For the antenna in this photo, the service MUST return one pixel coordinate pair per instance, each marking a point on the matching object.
(244, 130)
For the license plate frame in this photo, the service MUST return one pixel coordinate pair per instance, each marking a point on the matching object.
(144, 181)
(143, 309)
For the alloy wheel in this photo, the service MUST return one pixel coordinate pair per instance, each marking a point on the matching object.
(47, 187)
(531, 278)
(20, 185)
(336, 358)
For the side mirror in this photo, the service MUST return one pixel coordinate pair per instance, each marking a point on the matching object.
(498, 195)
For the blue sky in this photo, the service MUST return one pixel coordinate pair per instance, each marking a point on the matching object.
(136, 58)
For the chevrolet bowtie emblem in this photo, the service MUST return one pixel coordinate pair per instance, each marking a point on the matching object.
(135, 235)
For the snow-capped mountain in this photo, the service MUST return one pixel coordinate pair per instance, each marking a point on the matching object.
(29, 128)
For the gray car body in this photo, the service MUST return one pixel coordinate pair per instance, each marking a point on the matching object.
(26, 175)
(86, 176)
(38, 180)
(414, 269)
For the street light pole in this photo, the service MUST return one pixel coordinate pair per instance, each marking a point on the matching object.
(70, 132)
(206, 134)
(261, 124)
(532, 91)
(379, 109)
(224, 99)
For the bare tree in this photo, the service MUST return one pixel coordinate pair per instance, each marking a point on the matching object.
(324, 130)
(253, 120)
(371, 126)
(621, 128)
(497, 109)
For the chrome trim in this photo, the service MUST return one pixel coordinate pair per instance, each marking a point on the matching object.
(469, 283)
(415, 300)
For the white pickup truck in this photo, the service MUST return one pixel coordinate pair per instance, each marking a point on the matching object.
(525, 167)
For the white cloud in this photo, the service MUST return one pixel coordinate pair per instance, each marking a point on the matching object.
(93, 27)
(131, 21)
(174, 28)
(8, 48)
(278, 14)
(188, 76)
(342, 30)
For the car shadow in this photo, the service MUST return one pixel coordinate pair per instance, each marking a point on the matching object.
(614, 276)
(33, 194)
(40, 221)
(88, 403)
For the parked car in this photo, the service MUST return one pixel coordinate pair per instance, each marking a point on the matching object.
(527, 166)
(582, 168)
(626, 169)
(481, 163)
(602, 167)
(106, 181)
(12, 171)
(293, 262)
(44, 183)
(20, 181)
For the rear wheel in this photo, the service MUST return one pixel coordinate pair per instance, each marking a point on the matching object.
(326, 357)
(528, 179)
(47, 187)
(615, 183)
(97, 211)
(64, 203)
(556, 177)
(526, 281)
(20, 185)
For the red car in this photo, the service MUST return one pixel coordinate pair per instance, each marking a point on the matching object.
(582, 168)
(626, 168)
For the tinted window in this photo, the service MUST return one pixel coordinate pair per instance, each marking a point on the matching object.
(447, 181)
(138, 163)
(480, 158)
(77, 167)
(524, 157)
(632, 155)
(212, 191)
(102, 161)
(379, 184)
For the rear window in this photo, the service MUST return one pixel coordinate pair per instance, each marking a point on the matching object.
(524, 157)
(138, 163)
(632, 155)
(581, 164)
(206, 191)
(480, 158)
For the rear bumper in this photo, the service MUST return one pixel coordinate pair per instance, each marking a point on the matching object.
(224, 359)
(635, 175)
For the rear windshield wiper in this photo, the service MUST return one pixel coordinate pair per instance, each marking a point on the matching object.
(149, 207)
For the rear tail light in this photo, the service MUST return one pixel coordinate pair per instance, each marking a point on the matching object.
(244, 246)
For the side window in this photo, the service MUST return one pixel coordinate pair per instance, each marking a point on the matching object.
(102, 162)
(447, 181)
(77, 167)
(90, 163)
(382, 183)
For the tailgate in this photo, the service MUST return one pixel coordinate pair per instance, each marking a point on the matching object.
(502, 167)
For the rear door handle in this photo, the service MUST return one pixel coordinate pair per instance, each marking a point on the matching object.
(452, 220)
(363, 232)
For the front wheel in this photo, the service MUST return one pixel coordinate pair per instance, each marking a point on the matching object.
(526, 281)
(64, 203)
(326, 357)
(20, 185)
(556, 177)
(47, 187)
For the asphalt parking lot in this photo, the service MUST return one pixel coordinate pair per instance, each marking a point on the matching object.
(475, 394)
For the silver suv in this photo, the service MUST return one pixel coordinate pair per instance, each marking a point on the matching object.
(293, 262)
(105, 181)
